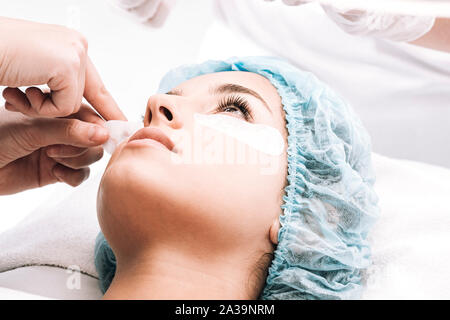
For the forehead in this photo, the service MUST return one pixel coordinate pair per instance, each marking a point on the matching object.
(253, 81)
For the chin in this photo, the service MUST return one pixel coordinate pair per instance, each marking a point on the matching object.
(135, 180)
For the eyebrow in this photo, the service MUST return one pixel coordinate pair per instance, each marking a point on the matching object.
(175, 92)
(228, 88)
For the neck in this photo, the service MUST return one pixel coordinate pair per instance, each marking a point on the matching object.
(172, 275)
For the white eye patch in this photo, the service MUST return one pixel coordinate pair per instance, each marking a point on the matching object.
(118, 132)
(261, 137)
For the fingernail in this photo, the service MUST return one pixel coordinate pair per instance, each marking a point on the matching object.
(97, 133)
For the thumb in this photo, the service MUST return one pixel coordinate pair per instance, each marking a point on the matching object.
(97, 95)
(45, 132)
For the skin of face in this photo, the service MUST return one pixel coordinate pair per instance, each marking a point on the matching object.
(213, 217)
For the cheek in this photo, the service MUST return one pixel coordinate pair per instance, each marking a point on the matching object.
(234, 202)
(228, 169)
(257, 198)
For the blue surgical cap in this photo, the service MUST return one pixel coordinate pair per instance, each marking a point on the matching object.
(329, 201)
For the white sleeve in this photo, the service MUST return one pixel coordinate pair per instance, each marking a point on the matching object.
(394, 27)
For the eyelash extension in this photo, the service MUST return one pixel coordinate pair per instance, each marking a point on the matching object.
(235, 101)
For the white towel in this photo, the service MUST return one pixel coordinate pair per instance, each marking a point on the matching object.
(62, 235)
(410, 242)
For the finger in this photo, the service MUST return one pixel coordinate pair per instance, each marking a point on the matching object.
(72, 177)
(87, 114)
(57, 103)
(46, 132)
(63, 151)
(97, 95)
(81, 83)
(67, 88)
(62, 100)
(84, 160)
(16, 100)
(28, 103)
(10, 107)
(36, 99)
(14, 96)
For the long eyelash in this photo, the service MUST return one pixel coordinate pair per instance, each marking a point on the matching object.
(238, 102)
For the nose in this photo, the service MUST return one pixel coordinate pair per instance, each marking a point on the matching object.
(162, 109)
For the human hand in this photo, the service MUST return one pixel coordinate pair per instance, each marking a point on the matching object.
(402, 28)
(35, 152)
(375, 24)
(42, 54)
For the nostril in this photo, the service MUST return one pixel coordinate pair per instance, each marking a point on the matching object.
(166, 112)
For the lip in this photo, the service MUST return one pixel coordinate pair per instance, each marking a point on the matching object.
(153, 134)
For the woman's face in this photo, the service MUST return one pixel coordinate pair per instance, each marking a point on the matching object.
(200, 190)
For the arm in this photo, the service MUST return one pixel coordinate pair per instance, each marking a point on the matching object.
(438, 37)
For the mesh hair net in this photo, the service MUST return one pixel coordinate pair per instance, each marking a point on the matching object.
(329, 201)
